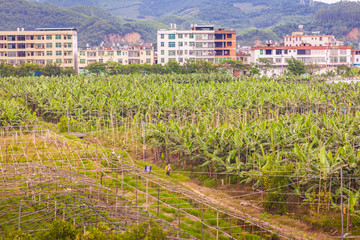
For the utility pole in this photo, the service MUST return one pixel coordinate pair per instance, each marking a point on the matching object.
(341, 203)
(144, 146)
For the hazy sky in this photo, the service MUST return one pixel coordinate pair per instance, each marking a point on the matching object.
(330, 1)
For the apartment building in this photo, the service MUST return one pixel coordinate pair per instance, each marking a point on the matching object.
(321, 56)
(42, 46)
(122, 55)
(225, 45)
(198, 43)
(355, 57)
(299, 38)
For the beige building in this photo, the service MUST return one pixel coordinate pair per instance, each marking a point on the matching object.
(299, 38)
(42, 46)
(125, 55)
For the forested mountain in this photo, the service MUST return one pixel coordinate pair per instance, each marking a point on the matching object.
(125, 20)
(93, 23)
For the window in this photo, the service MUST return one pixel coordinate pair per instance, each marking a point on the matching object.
(58, 45)
(110, 53)
(40, 38)
(148, 53)
(82, 61)
(11, 46)
(171, 36)
(162, 52)
(171, 44)
(333, 59)
(180, 36)
(58, 60)
(162, 44)
(181, 60)
(172, 52)
(268, 51)
(148, 60)
(117, 53)
(192, 44)
(303, 51)
(261, 52)
(278, 51)
(21, 38)
(191, 35)
(286, 51)
(49, 53)
(342, 59)
(229, 44)
(163, 60)
(229, 35)
(48, 37)
(21, 54)
(82, 53)
(278, 60)
(101, 53)
(320, 38)
(120, 61)
(180, 44)
(49, 61)
(21, 45)
(12, 54)
(58, 53)
(69, 53)
(57, 36)
(162, 36)
(69, 37)
(49, 45)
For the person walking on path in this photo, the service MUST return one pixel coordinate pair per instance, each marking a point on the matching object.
(168, 169)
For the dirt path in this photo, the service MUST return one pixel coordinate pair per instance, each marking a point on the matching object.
(297, 228)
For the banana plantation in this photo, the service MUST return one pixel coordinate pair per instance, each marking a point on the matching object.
(294, 141)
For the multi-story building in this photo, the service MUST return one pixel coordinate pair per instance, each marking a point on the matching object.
(42, 46)
(124, 55)
(225, 45)
(200, 42)
(321, 56)
(356, 57)
(299, 38)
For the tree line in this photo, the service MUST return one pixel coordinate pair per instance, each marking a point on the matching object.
(34, 69)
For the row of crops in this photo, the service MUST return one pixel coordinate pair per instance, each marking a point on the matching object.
(285, 136)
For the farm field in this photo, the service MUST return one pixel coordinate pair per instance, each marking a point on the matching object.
(287, 147)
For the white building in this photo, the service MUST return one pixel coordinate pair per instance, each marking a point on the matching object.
(299, 38)
(320, 56)
(201, 42)
(41, 46)
(122, 55)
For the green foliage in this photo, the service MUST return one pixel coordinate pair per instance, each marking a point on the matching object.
(189, 67)
(60, 230)
(30, 69)
(296, 67)
(63, 230)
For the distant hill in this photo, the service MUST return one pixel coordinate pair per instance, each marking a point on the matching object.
(125, 20)
(93, 23)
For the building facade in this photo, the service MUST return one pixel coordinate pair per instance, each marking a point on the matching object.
(315, 55)
(128, 55)
(356, 57)
(198, 43)
(42, 46)
(299, 38)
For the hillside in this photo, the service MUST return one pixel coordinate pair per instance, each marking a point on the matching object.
(110, 20)
(93, 23)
